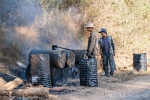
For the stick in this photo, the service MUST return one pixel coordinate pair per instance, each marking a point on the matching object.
(31, 92)
(12, 84)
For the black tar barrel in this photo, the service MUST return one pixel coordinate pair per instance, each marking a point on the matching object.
(140, 62)
(88, 72)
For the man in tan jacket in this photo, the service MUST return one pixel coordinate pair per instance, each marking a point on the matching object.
(92, 49)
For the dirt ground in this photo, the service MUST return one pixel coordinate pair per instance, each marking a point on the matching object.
(125, 85)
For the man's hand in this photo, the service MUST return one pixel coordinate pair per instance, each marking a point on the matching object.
(89, 55)
(114, 53)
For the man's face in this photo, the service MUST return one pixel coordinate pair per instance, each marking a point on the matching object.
(103, 34)
(90, 29)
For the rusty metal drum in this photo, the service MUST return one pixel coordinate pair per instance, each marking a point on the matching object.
(88, 72)
(140, 62)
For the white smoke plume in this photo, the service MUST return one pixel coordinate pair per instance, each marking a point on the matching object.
(27, 25)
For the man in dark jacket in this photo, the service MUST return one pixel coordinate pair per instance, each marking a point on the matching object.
(92, 49)
(107, 47)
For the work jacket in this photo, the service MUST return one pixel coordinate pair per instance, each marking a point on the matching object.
(92, 49)
(110, 42)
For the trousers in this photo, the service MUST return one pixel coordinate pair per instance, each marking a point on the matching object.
(109, 64)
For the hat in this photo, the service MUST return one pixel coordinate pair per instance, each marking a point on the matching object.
(102, 30)
(89, 24)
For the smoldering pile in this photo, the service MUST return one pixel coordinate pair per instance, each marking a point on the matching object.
(53, 71)
(61, 65)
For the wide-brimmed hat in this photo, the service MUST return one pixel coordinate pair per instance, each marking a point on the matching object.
(89, 24)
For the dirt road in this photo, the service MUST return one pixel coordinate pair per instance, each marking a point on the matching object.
(132, 87)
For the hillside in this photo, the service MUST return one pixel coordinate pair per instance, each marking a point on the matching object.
(38, 24)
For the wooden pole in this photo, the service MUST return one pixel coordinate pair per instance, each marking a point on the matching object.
(57, 57)
(70, 58)
(6, 89)
(31, 92)
(4, 92)
(12, 84)
(5, 98)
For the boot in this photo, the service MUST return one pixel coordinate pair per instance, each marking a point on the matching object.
(111, 73)
(106, 72)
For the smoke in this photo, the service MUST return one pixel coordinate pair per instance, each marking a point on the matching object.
(29, 26)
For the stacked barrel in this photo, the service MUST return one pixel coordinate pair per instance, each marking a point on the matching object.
(47, 67)
(49, 63)
(88, 72)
